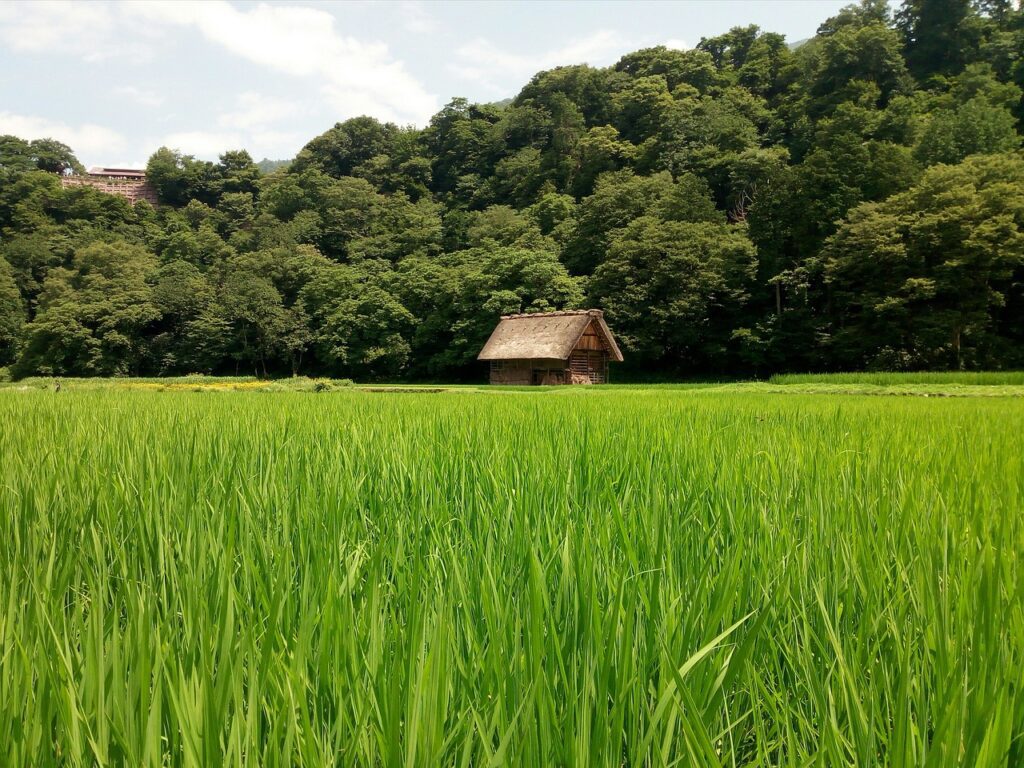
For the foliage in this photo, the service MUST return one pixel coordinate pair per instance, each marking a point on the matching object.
(91, 316)
(12, 314)
(790, 173)
(666, 285)
(41, 154)
(925, 278)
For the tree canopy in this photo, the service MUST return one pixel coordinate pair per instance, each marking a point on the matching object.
(853, 201)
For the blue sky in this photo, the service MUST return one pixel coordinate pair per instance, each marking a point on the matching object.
(116, 80)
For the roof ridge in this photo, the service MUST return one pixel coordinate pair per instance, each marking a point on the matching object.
(559, 313)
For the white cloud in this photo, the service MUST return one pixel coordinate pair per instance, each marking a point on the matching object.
(415, 18)
(140, 96)
(356, 75)
(302, 41)
(253, 110)
(209, 145)
(485, 63)
(88, 30)
(85, 140)
(277, 145)
(249, 126)
(202, 143)
(42, 26)
(676, 44)
(252, 124)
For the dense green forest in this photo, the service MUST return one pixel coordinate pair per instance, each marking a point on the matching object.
(855, 202)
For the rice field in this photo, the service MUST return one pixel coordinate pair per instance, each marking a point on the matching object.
(987, 378)
(610, 577)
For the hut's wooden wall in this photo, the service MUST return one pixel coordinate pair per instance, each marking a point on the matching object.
(526, 372)
(591, 340)
(511, 372)
(588, 367)
(588, 362)
(584, 366)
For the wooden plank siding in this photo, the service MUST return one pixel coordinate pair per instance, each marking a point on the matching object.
(591, 340)
(589, 358)
(526, 372)
(585, 363)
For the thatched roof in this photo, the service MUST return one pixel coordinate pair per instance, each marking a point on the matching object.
(545, 335)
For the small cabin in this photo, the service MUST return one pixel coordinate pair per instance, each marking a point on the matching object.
(571, 347)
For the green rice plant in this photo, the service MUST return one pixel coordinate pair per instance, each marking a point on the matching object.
(604, 578)
(887, 378)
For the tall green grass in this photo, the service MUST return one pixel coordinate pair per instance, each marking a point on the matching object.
(888, 379)
(686, 578)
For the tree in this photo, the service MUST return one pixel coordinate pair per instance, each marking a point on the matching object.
(924, 278)
(459, 298)
(620, 198)
(28, 201)
(29, 258)
(695, 68)
(359, 329)
(856, 58)
(599, 150)
(460, 142)
(93, 316)
(502, 225)
(579, 182)
(53, 156)
(703, 135)
(518, 178)
(667, 286)
(237, 174)
(15, 154)
(260, 300)
(12, 314)
(974, 117)
(349, 209)
(976, 127)
(49, 155)
(340, 150)
(642, 106)
(588, 88)
(180, 178)
(753, 59)
(259, 323)
(183, 296)
(553, 214)
(937, 35)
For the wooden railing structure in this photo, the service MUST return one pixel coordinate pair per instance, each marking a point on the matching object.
(127, 183)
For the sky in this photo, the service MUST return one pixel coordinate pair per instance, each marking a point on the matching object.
(116, 80)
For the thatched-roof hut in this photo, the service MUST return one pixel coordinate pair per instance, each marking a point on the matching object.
(571, 347)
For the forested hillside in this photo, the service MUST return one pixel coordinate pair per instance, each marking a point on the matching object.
(742, 207)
